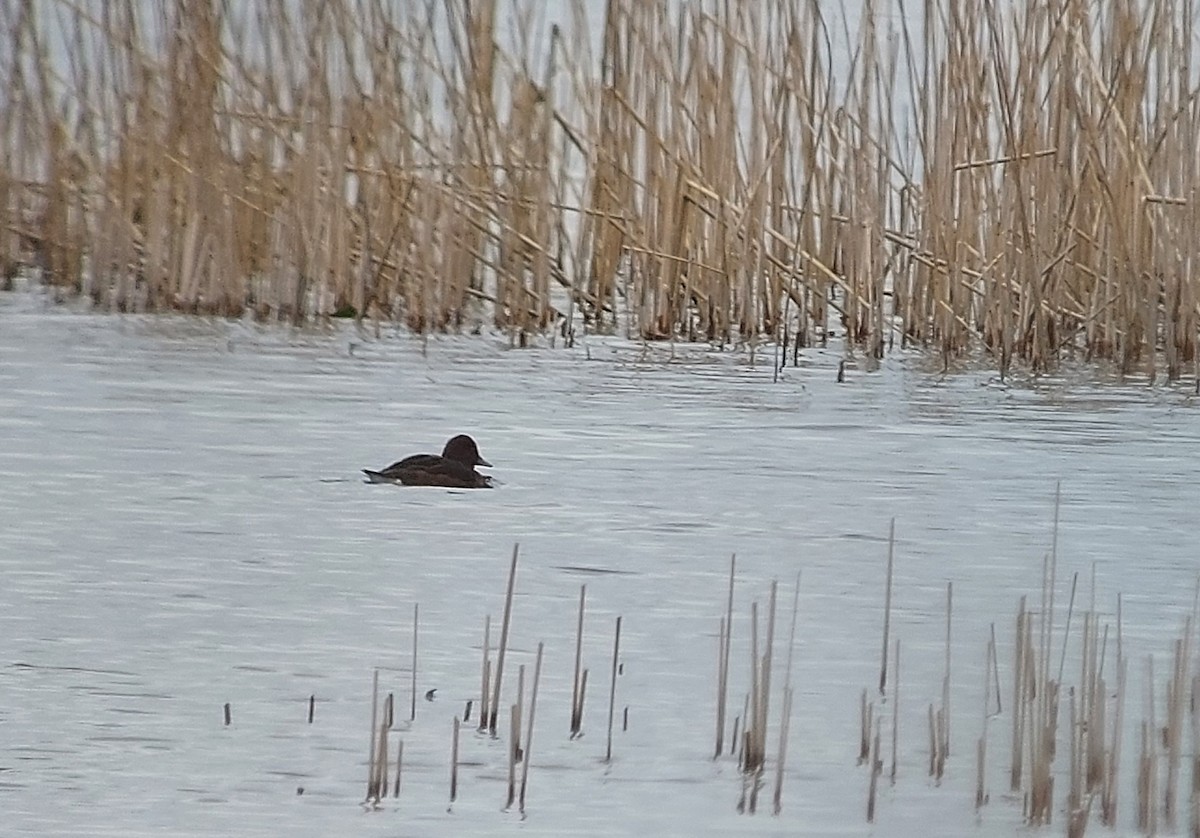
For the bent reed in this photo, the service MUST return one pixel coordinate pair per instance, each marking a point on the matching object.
(1018, 176)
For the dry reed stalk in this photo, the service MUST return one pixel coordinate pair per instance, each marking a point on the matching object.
(723, 662)
(750, 726)
(372, 792)
(430, 175)
(312, 707)
(1147, 783)
(485, 673)
(1077, 819)
(1145, 780)
(399, 767)
(576, 681)
(734, 740)
(1075, 765)
(1194, 791)
(785, 723)
(416, 620)
(876, 770)
(761, 669)
(1097, 709)
(981, 795)
(494, 704)
(1020, 688)
(514, 735)
(1062, 660)
(537, 675)
(454, 760)
(1177, 694)
(612, 690)
(895, 710)
(381, 764)
(227, 713)
(887, 607)
(787, 672)
(1109, 795)
(940, 752)
(520, 706)
(945, 735)
(864, 718)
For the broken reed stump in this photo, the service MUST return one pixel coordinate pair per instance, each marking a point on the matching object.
(312, 704)
(504, 626)
(228, 714)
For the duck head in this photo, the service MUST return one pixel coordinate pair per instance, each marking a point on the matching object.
(464, 450)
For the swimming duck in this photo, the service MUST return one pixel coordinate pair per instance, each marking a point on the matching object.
(455, 467)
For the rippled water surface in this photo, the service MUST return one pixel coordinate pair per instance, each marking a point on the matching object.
(183, 524)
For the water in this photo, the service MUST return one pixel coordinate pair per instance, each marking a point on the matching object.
(183, 524)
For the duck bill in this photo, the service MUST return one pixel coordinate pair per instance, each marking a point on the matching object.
(482, 462)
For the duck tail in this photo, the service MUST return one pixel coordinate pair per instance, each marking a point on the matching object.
(375, 476)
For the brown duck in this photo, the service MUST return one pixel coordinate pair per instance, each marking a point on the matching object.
(455, 467)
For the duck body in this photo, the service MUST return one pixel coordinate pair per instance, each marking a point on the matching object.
(454, 467)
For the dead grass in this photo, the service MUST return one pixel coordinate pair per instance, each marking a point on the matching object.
(960, 174)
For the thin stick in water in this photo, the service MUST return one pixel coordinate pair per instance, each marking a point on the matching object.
(508, 597)
(371, 790)
(485, 668)
(895, 710)
(576, 697)
(945, 737)
(537, 674)
(416, 619)
(723, 663)
(612, 692)
(399, 766)
(887, 608)
(454, 761)
(514, 733)
(785, 722)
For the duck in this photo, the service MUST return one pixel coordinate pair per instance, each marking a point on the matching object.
(455, 468)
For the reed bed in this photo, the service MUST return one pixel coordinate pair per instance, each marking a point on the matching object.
(1015, 178)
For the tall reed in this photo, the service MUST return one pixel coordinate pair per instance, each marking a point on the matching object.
(1018, 178)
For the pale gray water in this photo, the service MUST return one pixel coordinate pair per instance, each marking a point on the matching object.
(182, 523)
